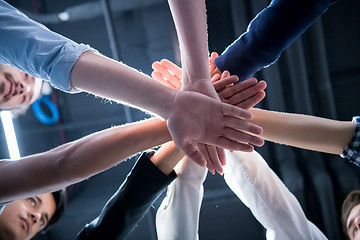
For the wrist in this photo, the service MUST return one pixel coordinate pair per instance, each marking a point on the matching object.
(166, 103)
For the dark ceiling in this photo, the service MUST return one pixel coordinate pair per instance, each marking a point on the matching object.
(144, 32)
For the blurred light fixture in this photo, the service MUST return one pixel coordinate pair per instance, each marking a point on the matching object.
(10, 135)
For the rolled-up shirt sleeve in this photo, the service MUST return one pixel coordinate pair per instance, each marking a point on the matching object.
(351, 151)
(36, 50)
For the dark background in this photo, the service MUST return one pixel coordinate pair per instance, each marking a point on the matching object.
(318, 75)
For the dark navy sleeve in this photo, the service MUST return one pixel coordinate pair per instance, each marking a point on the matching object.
(130, 203)
(268, 34)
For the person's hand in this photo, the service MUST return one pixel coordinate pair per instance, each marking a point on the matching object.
(214, 156)
(245, 94)
(169, 74)
(196, 118)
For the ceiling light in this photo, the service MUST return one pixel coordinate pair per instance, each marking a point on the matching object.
(10, 135)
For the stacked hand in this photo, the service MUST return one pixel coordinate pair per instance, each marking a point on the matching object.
(229, 120)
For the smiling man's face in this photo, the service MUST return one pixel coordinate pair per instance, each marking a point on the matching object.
(16, 87)
(23, 219)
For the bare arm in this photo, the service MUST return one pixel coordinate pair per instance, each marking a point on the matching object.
(198, 112)
(107, 78)
(190, 21)
(78, 160)
(167, 157)
(303, 131)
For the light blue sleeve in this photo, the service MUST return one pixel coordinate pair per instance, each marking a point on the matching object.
(2, 206)
(35, 49)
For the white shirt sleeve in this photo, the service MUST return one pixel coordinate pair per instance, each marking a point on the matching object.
(270, 201)
(178, 215)
(35, 49)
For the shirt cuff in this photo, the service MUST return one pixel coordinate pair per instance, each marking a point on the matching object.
(351, 151)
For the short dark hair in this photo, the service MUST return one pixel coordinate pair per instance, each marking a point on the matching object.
(60, 198)
(352, 199)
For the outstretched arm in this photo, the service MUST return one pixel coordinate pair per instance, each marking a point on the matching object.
(65, 164)
(71, 66)
(190, 115)
(190, 22)
(78, 160)
(303, 131)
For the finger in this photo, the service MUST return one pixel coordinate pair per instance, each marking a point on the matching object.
(216, 71)
(239, 97)
(213, 69)
(251, 102)
(193, 153)
(233, 111)
(221, 84)
(222, 156)
(233, 145)
(160, 78)
(214, 157)
(215, 78)
(213, 56)
(238, 88)
(154, 64)
(176, 70)
(167, 74)
(175, 81)
(242, 137)
(157, 66)
(245, 94)
(240, 124)
(225, 74)
(203, 150)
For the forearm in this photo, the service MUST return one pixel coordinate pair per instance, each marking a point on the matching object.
(190, 21)
(166, 158)
(303, 131)
(107, 78)
(78, 160)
